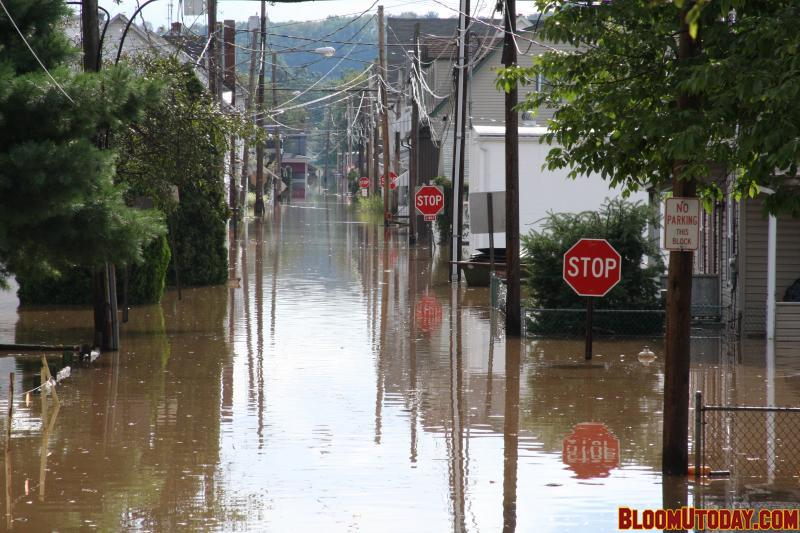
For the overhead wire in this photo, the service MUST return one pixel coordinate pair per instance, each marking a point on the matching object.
(24, 40)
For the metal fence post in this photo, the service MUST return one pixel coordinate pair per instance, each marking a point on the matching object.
(698, 434)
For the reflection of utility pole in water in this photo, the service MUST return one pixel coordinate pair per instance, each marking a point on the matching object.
(260, 326)
(247, 323)
(384, 264)
(111, 401)
(511, 434)
(9, 418)
(675, 493)
(457, 408)
(493, 317)
(227, 372)
(276, 257)
(413, 272)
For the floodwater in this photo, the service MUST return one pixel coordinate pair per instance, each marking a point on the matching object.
(340, 383)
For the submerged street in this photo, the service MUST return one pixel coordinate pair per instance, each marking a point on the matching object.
(340, 383)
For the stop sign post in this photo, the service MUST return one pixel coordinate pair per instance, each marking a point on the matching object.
(592, 267)
(429, 201)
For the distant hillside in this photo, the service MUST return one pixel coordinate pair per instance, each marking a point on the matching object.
(353, 37)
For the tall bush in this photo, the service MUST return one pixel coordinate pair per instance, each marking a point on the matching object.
(624, 225)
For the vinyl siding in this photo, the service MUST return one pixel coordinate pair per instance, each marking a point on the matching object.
(755, 267)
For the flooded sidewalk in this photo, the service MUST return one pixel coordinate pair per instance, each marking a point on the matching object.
(340, 383)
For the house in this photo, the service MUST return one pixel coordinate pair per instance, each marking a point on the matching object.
(757, 259)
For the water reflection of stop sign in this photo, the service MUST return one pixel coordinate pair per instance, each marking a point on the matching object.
(428, 313)
(591, 450)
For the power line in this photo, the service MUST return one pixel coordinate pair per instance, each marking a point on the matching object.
(10, 18)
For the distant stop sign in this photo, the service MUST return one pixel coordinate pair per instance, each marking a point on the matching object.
(429, 201)
(392, 182)
(592, 267)
(363, 182)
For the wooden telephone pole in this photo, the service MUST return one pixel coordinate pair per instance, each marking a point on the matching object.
(213, 79)
(258, 208)
(229, 37)
(251, 88)
(513, 310)
(413, 161)
(383, 87)
(459, 134)
(104, 281)
(675, 435)
(276, 191)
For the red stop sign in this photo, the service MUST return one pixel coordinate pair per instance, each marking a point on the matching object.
(392, 183)
(591, 450)
(592, 267)
(363, 182)
(429, 200)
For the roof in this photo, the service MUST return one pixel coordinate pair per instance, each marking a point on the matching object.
(500, 131)
(400, 31)
(192, 45)
(434, 48)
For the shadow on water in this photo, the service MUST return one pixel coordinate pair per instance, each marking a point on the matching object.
(339, 382)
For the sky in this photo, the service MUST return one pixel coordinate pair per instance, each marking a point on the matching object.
(157, 12)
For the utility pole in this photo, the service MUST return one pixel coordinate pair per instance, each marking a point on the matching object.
(513, 312)
(376, 169)
(104, 281)
(212, 49)
(229, 37)
(251, 88)
(348, 161)
(370, 168)
(276, 192)
(219, 66)
(413, 161)
(258, 208)
(395, 198)
(675, 434)
(383, 86)
(459, 131)
(327, 149)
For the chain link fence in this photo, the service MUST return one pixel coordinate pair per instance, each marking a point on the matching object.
(605, 323)
(754, 444)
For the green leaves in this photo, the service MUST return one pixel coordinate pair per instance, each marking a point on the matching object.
(617, 94)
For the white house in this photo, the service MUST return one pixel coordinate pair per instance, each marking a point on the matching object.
(541, 191)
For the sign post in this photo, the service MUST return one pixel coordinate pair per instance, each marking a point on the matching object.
(592, 267)
(363, 184)
(681, 224)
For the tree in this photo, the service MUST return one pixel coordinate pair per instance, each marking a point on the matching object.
(660, 92)
(617, 95)
(178, 145)
(59, 204)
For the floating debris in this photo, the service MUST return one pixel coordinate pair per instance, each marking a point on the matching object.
(63, 374)
(646, 356)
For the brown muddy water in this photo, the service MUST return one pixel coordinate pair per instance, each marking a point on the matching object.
(339, 383)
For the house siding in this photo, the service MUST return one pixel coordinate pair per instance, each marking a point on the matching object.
(755, 264)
